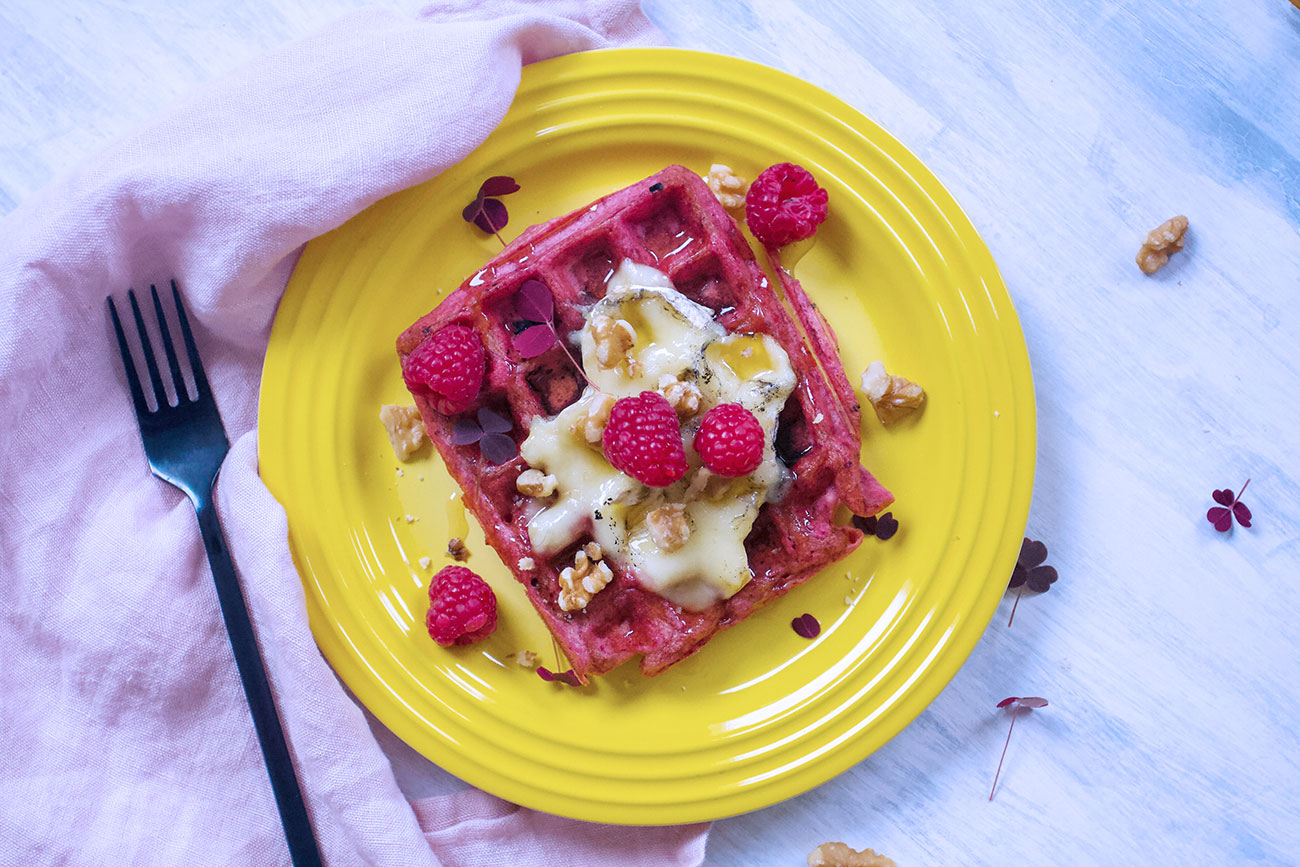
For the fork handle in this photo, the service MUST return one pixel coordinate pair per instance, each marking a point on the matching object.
(252, 672)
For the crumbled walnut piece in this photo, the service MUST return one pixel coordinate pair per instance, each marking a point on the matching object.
(592, 426)
(405, 429)
(456, 549)
(705, 485)
(425, 562)
(526, 658)
(840, 855)
(613, 338)
(593, 551)
(526, 564)
(683, 396)
(669, 527)
(729, 187)
(583, 580)
(1161, 243)
(535, 483)
(892, 397)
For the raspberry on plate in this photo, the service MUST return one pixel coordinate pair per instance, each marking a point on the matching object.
(730, 441)
(644, 439)
(462, 607)
(449, 366)
(784, 205)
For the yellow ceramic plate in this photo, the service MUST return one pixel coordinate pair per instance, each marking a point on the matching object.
(760, 714)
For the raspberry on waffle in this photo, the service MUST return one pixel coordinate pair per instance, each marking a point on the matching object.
(672, 222)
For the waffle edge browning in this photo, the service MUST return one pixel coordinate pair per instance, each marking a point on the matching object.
(673, 222)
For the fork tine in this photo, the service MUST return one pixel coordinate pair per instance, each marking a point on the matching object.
(137, 394)
(196, 365)
(182, 393)
(160, 393)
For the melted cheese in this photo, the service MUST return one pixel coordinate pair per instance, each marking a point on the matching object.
(676, 336)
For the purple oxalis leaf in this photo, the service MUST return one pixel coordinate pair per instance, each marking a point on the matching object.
(498, 185)
(493, 422)
(545, 673)
(491, 216)
(466, 432)
(1040, 578)
(806, 626)
(534, 341)
(1224, 497)
(1220, 517)
(1007, 701)
(1033, 701)
(497, 448)
(1031, 554)
(534, 301)
(1243, 514)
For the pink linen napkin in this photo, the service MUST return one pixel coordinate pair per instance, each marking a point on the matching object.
(124, 734)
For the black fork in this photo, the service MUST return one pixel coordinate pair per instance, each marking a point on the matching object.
(185, 444)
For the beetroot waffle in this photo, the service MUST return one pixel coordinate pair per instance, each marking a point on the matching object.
(672, 222)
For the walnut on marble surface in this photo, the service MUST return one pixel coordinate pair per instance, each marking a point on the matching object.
(682, 395)
(456, 549)
(892, 397)
(535, 483)
(584, 579)
(669, 527)
(840, 855)
(405, 429)
(613, 338)
(1161, 243)
(591, 427)
(729, 187)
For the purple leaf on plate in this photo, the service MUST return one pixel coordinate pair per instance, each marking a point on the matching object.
(1243, 514)
(532, 342)
(497, 448)
(493, 422)
(1220, 517)
(886, 527)
(492, 216)
(1224, 497)
(1033, 701)
(806, 626)
(498, 185)
(465, 432)
(534, 301)
(545, 673)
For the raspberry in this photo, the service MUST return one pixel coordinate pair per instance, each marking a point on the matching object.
(449, 365)
(730, 440)
(784, 204)
(462, 607)
(644, 439)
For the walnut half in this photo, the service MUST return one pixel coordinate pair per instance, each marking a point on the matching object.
(1161, 243)
(840, 855)
(584, 579)
(892, 397)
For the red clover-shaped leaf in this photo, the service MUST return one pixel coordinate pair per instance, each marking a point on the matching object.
(490, 214)
(1229, 507)
(883, 527)
(497, 448)
(534, 301)
(466, 432)
(498, 185)
(535, 340)
(569, 677)
(1030, 573)
(493, 422)
(806, 626)
(1031, 554)
(1015, 702)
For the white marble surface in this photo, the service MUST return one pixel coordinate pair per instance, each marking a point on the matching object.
(1171, 654)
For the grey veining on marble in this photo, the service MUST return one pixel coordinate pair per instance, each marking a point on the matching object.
(1171, 654)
